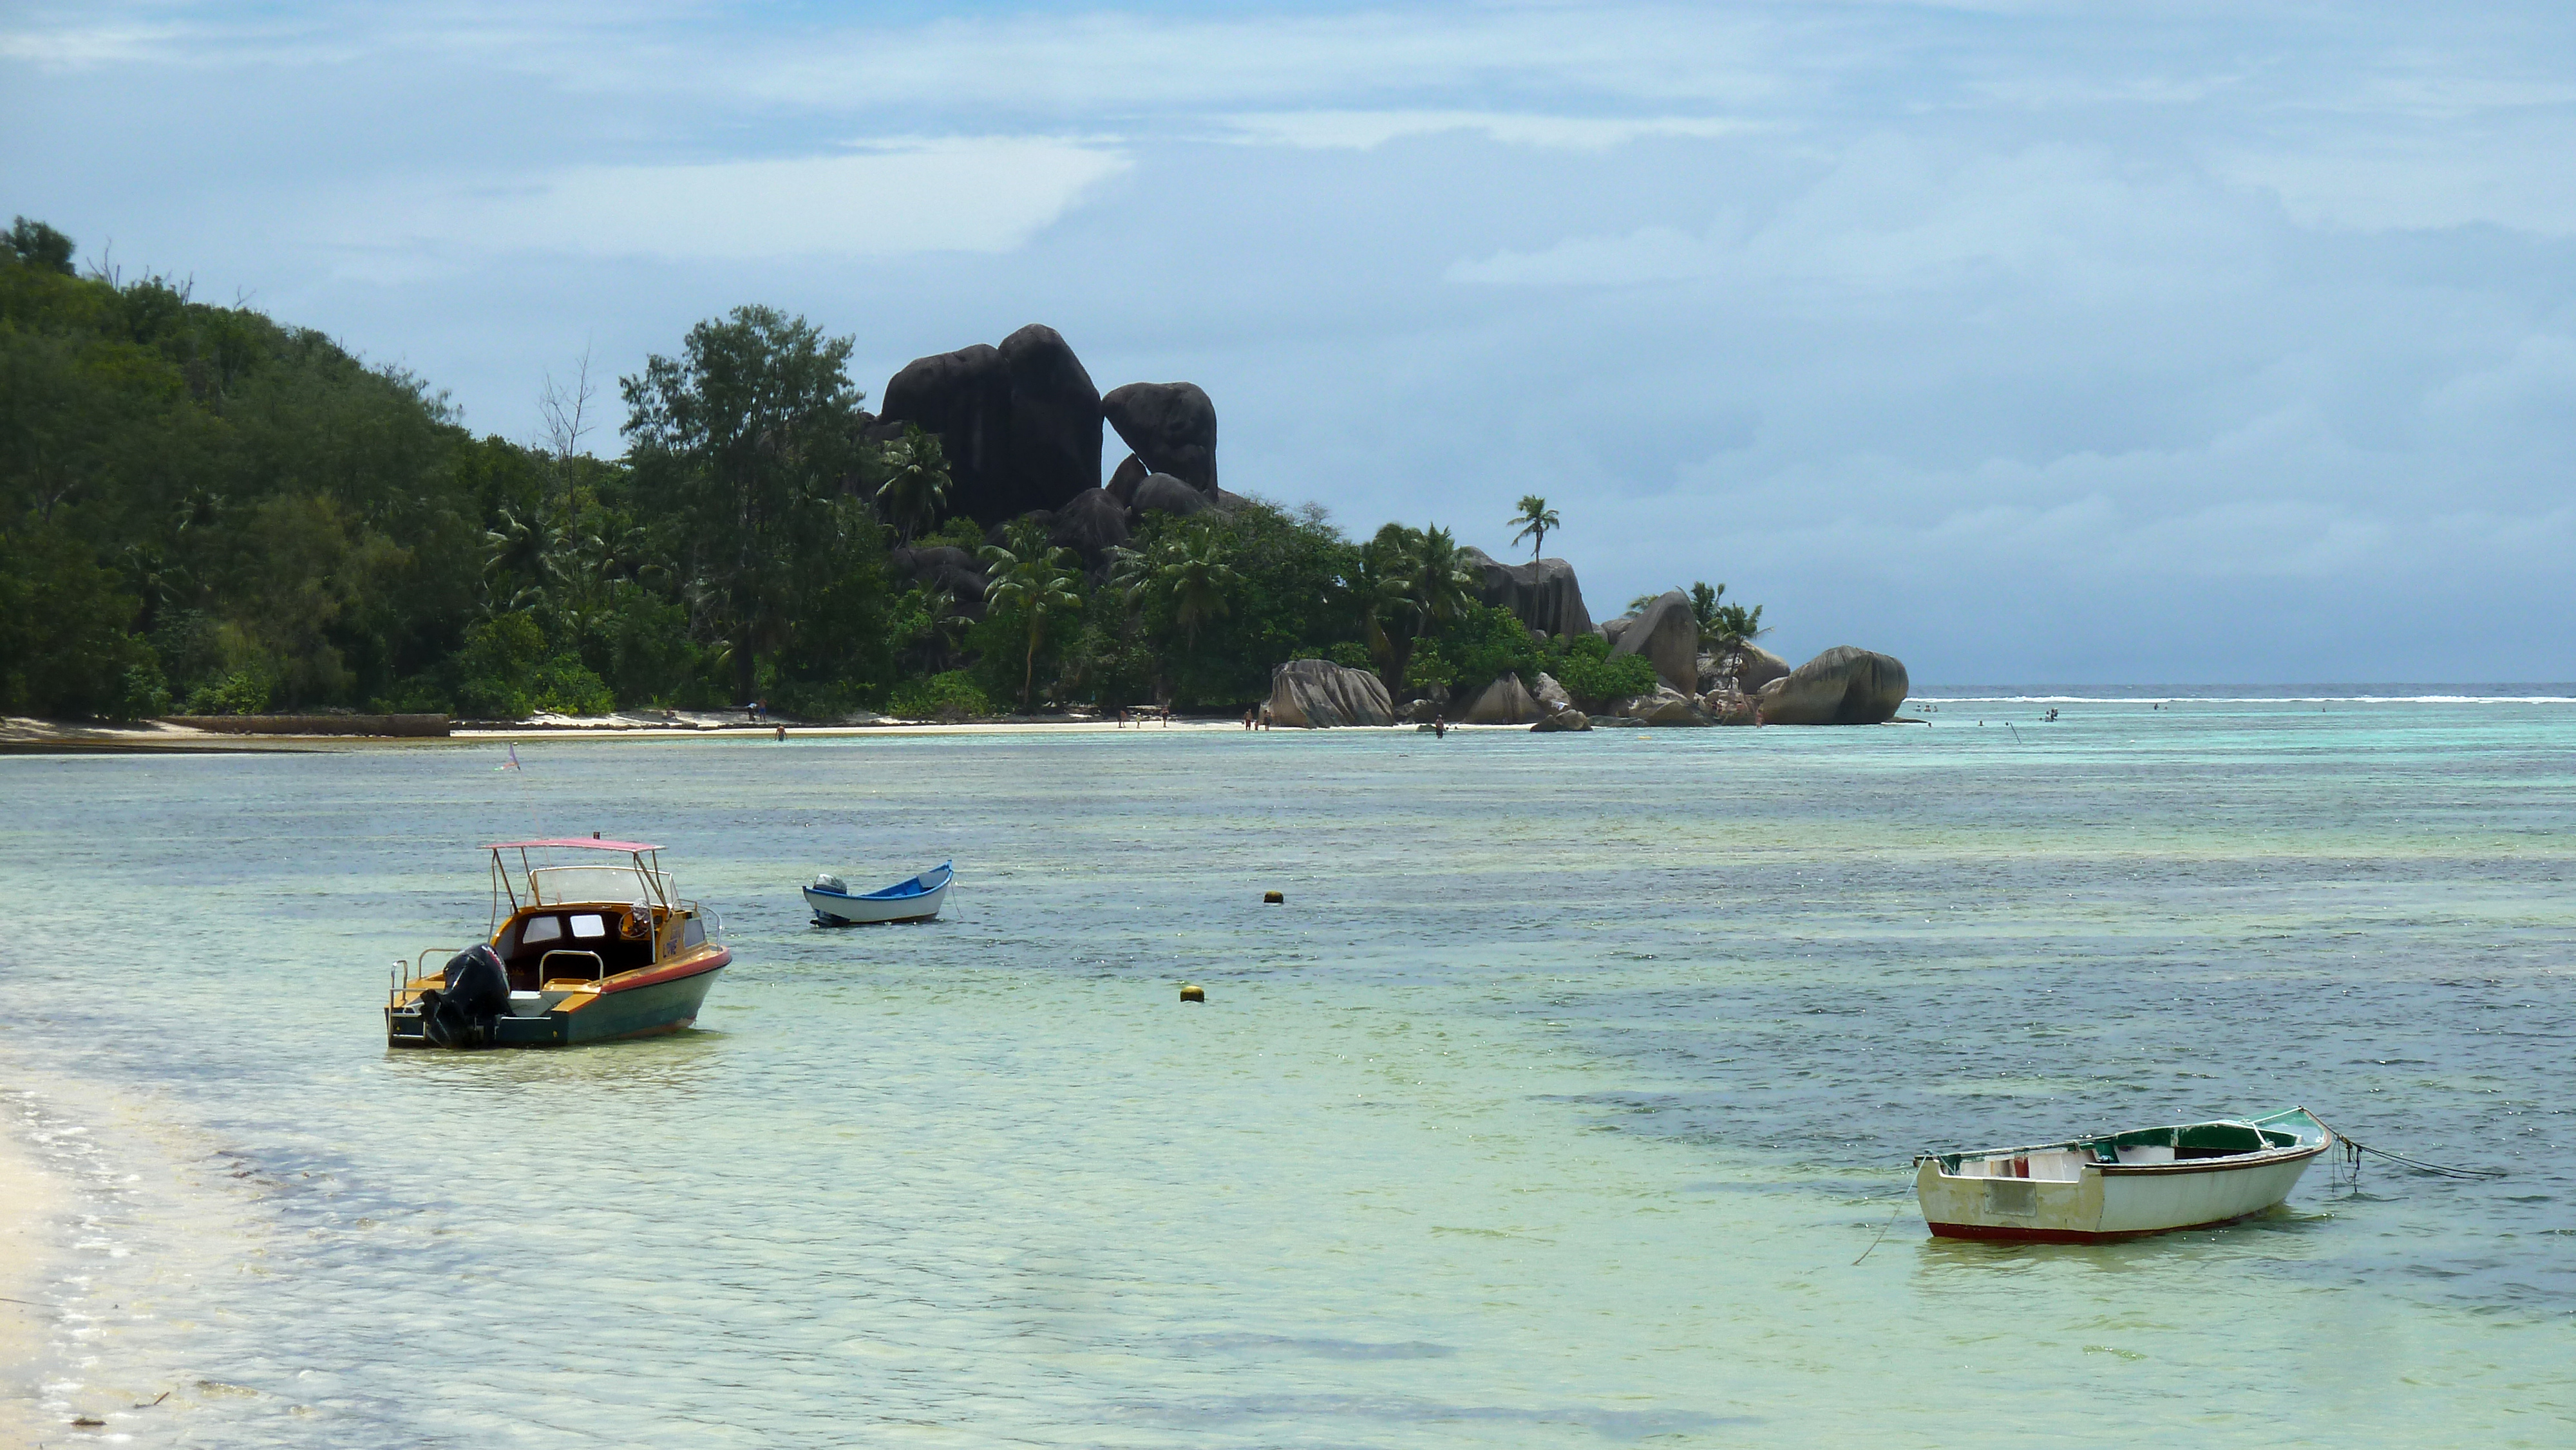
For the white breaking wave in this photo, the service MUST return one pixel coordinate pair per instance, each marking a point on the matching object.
(2241, 699)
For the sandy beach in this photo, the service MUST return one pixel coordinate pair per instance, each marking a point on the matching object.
(23, 735)
(32, 1202)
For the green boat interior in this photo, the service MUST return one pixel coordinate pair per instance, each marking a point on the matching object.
(2181, 1143)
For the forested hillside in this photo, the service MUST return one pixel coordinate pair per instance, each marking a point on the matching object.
(204, 511)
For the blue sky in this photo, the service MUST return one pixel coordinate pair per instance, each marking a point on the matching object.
(2028, 342)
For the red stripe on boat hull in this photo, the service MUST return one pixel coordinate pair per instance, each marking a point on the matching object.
(2003, 1233)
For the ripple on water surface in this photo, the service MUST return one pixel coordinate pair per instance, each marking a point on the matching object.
(1555, 1105)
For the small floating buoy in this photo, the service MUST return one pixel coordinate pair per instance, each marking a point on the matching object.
(1193, 992)
(1272, 898)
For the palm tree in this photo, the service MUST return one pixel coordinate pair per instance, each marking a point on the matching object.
(1734, 625)
(1438, 582)
(1535, 519)
(916, 485)
(1196, 576)
(1379, 587)
(518, 547)
(1035, 580)
(1728, 626)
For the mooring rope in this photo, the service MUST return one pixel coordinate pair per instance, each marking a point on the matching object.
(2354, 1148)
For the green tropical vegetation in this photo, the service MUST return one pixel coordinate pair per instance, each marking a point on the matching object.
(205, 511)
(1720, 624)
(1724, 625)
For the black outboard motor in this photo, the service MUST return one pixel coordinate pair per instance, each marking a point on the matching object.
(478, 990)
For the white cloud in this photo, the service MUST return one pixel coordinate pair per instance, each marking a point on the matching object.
(1893, 214)
(2448, 176)
(1366, 130)
(1886, 312)
(1648, 254)
(71, 48)
(976, 194)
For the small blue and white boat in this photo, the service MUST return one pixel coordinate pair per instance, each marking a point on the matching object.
(915, 900)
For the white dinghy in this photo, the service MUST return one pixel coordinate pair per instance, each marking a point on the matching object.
(918, 899)
(2120, 1185)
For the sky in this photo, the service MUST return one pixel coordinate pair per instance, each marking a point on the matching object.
(2027, 342)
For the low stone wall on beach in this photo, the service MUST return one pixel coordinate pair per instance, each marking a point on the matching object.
(412, 726)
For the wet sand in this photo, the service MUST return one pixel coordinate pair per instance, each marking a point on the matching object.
(32, 1203)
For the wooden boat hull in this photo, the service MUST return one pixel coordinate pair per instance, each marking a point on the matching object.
(662, 998)
(2099, 1207)
(832, 908)
(2046, 1195)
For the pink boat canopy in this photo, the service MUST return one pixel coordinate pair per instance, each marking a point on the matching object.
(586, 843)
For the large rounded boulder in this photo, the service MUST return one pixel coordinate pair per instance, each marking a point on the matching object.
(1171, 495)
(1021, 423)
(1172, 426)
(1091, 526)
(1504, 702)
(941, 567)
(1319, 694)
(1130, 472)
(1746, 667)
(1667, 634)
(1543, 593)
(1842, 686)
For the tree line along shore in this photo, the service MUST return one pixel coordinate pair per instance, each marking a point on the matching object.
(210, 513)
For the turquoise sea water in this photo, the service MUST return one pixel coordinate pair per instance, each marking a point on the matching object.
(1554, 1107)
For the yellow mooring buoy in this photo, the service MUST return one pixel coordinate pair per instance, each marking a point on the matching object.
(1272, 898)
(1192, 992)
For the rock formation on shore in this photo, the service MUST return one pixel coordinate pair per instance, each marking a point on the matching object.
(1172, 428)
(1130, 472)
(942, 567)
(1504, 702)
(1744, 666)
(1171, 495)
(1842, 686)
(1667, 634)
(1666, 706)
(1021, 423)
(1543, 592)
(1319, 694)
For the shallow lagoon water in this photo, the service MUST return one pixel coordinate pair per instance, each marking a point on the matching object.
(1554, 1106)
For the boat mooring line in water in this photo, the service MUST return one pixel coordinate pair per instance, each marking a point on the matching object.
(1882, 1235)
(2356, 1149)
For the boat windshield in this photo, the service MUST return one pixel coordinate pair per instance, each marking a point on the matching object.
(557, 885)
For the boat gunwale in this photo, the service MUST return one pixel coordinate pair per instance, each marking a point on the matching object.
(2266, 1158)
(2284, 1153)
(945, 871)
